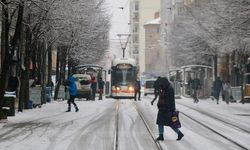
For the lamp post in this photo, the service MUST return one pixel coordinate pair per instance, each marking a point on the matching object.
(123, 46)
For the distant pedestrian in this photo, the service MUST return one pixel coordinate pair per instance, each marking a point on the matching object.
(217, 87)
(227, 91)
(72, 93)
(195, 87)
(93, 87)
(166, 105)
(101, 84)
(137, 89)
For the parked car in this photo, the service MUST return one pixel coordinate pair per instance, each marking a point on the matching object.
(83, 86)
(149, 86)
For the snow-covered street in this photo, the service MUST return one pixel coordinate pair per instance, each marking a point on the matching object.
(94, 126)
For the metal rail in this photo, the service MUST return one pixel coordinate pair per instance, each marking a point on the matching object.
(158, 145)
(235, 126)
(214, 131)
(115, 145)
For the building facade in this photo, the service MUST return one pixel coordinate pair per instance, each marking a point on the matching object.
(140, 12)
(152, 47)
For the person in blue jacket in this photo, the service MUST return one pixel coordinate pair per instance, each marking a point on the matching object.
(72, 92)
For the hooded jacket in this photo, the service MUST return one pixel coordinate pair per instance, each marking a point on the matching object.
(72, 85)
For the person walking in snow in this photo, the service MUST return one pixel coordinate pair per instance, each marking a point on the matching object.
(101, 84)
(166, 105)
(72, 93)
(195, 86)
(156, 89)
(93, 87)
(217, 87)
(137, 89)
(227, 91)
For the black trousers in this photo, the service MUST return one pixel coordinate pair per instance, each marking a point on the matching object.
(71, 100)
(139, 94)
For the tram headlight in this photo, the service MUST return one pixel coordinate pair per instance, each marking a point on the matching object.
(118, 88)
(131, 88)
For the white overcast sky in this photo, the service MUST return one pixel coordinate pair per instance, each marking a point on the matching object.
(120, 18)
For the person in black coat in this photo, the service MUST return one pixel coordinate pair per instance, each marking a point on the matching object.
(101, 84)
(137, 89)
(166, 105)
(156, 89)
(217, 88)
(93, 87)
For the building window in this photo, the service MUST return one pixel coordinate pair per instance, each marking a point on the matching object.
(136, 6)
(135, 29)
(135, 39)
(158, 29)
(136, 17)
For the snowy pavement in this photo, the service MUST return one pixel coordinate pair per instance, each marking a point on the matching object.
(93, 127)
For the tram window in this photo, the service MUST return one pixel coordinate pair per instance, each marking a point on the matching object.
(124, 66)
(123, 76)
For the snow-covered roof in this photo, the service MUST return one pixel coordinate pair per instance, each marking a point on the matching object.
(155, 21)
(124, 60)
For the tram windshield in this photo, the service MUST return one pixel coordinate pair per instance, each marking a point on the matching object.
(123, 76)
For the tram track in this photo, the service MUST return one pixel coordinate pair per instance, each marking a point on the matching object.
(158, 145)
(115, 145)
(116, 136)
(216, 118)
(213, 130)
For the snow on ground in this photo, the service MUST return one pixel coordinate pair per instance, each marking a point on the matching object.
(50, 127)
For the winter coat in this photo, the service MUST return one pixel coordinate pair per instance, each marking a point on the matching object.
(195, 84)
(137, 85)
(227, 91)
(166, 105)
(101, 84)
(72, 86)
(217, 85)
(156, 86)
(93, 84)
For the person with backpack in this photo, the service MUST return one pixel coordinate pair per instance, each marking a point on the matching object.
(166, 106)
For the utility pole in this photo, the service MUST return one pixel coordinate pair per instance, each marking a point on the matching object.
(123, 45)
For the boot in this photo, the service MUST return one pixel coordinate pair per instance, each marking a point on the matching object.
(160, 138)
(180, 136)
(68, 109)
(77, 109)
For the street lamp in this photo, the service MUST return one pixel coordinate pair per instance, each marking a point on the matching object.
(123, 45)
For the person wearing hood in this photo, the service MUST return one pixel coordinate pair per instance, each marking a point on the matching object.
(166, 105)
(72, 92)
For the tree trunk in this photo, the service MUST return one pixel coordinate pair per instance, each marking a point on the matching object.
(5, 50)
(49, 80)
(58, 78)
(43, 72)
(215, 65)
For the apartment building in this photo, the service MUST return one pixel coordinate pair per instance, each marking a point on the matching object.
(153, 54)
(140, 12)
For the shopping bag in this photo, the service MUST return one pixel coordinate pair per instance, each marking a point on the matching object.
(175, 120)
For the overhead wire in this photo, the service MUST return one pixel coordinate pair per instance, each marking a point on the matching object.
(125, 20)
